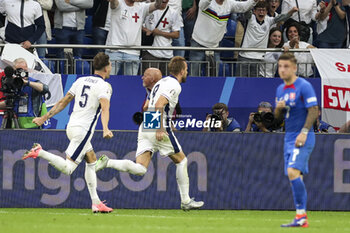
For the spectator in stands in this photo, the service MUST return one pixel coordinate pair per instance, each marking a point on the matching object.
(321, 126)
(322, 20)
(334, 34)
(257, 36)
(25, 22)
(30, 102)
(272, 7)
(189, 16)
(260, 121)
(101, 22)
(127, 17)
(46, 6)
(221, 113)
(307, 12)
(69, 23)
(168, 29)
(269, 67)
(210, 27)
(304, 59)
(176, 5)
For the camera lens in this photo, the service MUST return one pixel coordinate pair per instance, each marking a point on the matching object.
(257, 117)
(268, 117)
(137, 118)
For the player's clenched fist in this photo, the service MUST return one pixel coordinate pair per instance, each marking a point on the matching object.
(160, 134)
(39, 121)
(107, 134)
(281, 104)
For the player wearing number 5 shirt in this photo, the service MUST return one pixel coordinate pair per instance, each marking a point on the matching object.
(92, 95)
(296, 99)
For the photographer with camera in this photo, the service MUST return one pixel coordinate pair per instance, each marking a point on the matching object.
(221, 113)
(263, 120)
(24, 96)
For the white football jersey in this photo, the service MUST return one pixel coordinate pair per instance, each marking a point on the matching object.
(170, 88)
(171, 22)
(126, 24)
(257, 36)
(88, 91)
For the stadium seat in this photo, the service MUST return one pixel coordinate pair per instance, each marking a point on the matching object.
(52, 52)
(226, 69)
(230, 43)
(50, 64)
(231, 28)
(81, 67)
(89, 53)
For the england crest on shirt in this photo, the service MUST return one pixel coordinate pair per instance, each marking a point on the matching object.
(292, 96)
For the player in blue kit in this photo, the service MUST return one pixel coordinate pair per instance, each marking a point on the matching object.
(296, 101)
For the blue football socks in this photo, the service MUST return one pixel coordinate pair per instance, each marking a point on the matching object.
(299, 193)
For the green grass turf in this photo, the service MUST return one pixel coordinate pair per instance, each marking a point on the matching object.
(171, 221)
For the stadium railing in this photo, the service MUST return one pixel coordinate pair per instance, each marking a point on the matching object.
(228, 66)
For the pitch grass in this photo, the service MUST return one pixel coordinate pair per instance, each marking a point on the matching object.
(170, 221)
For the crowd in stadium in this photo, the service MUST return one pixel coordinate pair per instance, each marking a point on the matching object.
(197, 23)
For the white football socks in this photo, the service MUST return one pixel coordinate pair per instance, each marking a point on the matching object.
(91, 181)
(64, 165)
(126, 165)
(183, 181)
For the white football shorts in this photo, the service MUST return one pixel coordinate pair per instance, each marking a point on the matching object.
(146, 141)
(79, 143)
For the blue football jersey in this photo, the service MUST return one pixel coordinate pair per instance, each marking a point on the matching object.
(298, 96)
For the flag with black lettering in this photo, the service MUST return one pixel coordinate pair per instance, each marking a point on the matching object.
(334, 68)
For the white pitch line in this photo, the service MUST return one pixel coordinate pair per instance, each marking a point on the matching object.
(145, 216)
(114, 213)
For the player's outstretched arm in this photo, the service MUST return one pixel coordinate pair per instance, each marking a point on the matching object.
(310, 120)
(59, 106)
(105, 104)
(161, 102)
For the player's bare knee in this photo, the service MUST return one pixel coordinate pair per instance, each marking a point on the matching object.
(90, 157)
(183, 162)
(293, 173)
(178, 157)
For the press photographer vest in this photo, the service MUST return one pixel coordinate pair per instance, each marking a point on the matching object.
(23, 106)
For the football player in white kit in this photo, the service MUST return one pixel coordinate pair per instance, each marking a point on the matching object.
(92, 97)
(162, 99)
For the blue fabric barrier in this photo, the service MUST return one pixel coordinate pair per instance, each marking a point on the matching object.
(226, 170)
(242, 95)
